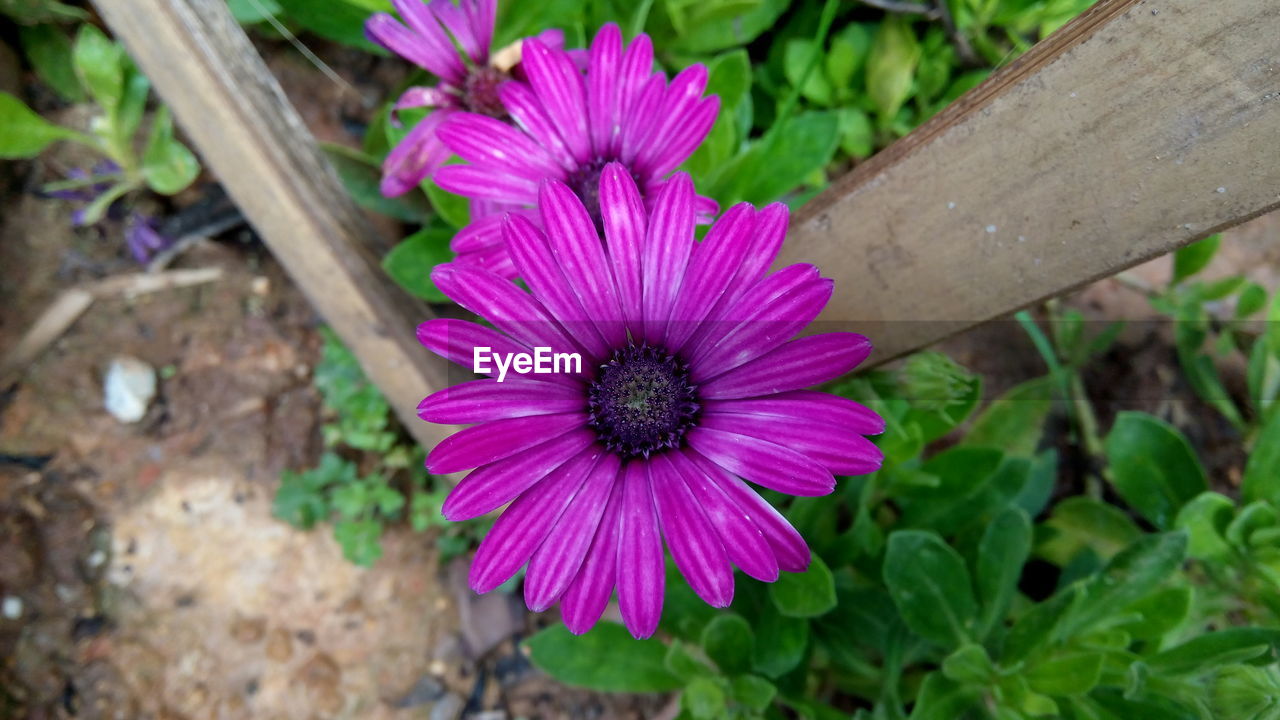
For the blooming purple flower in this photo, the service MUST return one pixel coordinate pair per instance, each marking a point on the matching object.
(465, 84)
(142, 238)
(568, 127)
(690, 387)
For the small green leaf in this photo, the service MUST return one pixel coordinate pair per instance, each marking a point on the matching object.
(167, 165)
(23, 133)
(942, 699)
(1014, 422)
(360, 540)
(891, 65)
(1195, 257)
(729, 642)
(805, 594)
(133, 102)
(360, 175)
(1003, 550)
(699, 34)
(100, 64)
(34, 12)
(338, 20)
(49, 50)
(729, 78)
(1039, 627)
(704, 699)
(1262, 471)
(1153, 466)
(606, 658)
(848, 53)
(970, 664)
(857, 136)
(453, 209)
(1252, 299)
(1082, 522)
(682, 663)
(817, 88)
(752, 691)
(410, 262)
(781, 643)
(1130, 575)
(1249, 693)
(930, 585)
(772, 167)
(1205, 519)
(350, 500)
(1206, 652)
(1162, 612)
(247, 12)
(1073, 673)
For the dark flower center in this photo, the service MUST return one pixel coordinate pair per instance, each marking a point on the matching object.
(480, 91)
(642, 401)
(585, 182)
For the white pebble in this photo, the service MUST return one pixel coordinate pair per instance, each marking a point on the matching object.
(951, 206)
(11, 607)
(1222, 190)
(991, 228)
(128, 388)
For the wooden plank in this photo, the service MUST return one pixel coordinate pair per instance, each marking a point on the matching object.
(1139, 127)
(222, 94)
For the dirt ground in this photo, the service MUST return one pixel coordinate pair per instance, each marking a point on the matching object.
(141, 572)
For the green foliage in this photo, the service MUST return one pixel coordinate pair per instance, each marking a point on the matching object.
(363, 494)
(604, 658)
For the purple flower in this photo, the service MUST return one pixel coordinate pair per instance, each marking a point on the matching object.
(690, 386)
(142, 238)
(568, 127)
(465, 84)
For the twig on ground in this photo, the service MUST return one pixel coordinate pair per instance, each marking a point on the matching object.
(72, 303)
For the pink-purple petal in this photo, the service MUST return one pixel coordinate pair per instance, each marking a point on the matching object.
(840, 451)
(641, 576)
(492, 441)
(488, 488)
(424, 51)
(573, 240)
(665, 254)
(493, 144)
(602, 86)
(710, 269)
(694, 544)
(527, 111)
(796, 365)
(588, 593)
(487, 183)
(487, 400)
(745, 545)
(417, 156)
(625, 227)
(456, 340)
(560, 88)
(763, 463)
(803, 404)
(499, 301)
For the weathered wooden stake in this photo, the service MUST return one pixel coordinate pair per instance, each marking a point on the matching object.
(222, 94)
(1139, 127)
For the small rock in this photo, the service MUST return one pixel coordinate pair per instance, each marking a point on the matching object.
(248, 630)
(320, 672)
(426, 690)
(328, 700)
(450, 707)
(128, 388)
(279, 645)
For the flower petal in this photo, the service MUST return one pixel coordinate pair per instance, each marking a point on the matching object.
(676, 116)
(492, 441)
(602, 86)
(496, 484)
(641, 576)
(788, 545)
(806, 404)
(456, 340)
(694, 544)
(541, 272)
(417, 156)
(523, 527)
(502, 303)
(481, 15)
(762, 462)
(560, 88)
(745, 545)
(527, 111)
(639, 122)
(576, 246)
(557, 561)
(710, 269)
(770, 231)
(841, 452)
(665, 254)
(796, 365)
(459, 26)
(493, 144)
(625, 227)
(588, 593)
(416, 97)
(663, 156)
(487, 184)
(482, 401)
(435, 48)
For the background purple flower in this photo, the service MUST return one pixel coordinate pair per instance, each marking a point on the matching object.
(691, 386)
(469, 84)
(568, 127)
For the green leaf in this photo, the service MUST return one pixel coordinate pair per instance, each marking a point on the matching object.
(817, 88)
(1040, 626)
(606, 658)
(682, 663)
(729, 642)
(1153, 467)
(930, 585)
(1247, 693)
(298, 502)
(857, 136)
(805, 594)
(1014, 422)
(1073, 673)
(1134, 572)
(49, 50)
(1212, 650)
(1252, 299)
(360, 175)
(23, 133)
(100, 65)
(350, 500)
(729, 78)
(781, 643)
(849, 49)
(973, 484)
(360, 540)
(453, 209)
(1003, 550)
(1262, 472)
(1195, 257)
(34, 12)
(1205, 519)
(167, 165)
(1082, 522)
(410, 262)
(251, 11)
(338, 20)
(704, 699)
(1162, 612)
(770, 169)
(942, 699)
(752, 691)
(891, 66)
(969, 664)
(699, 35)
